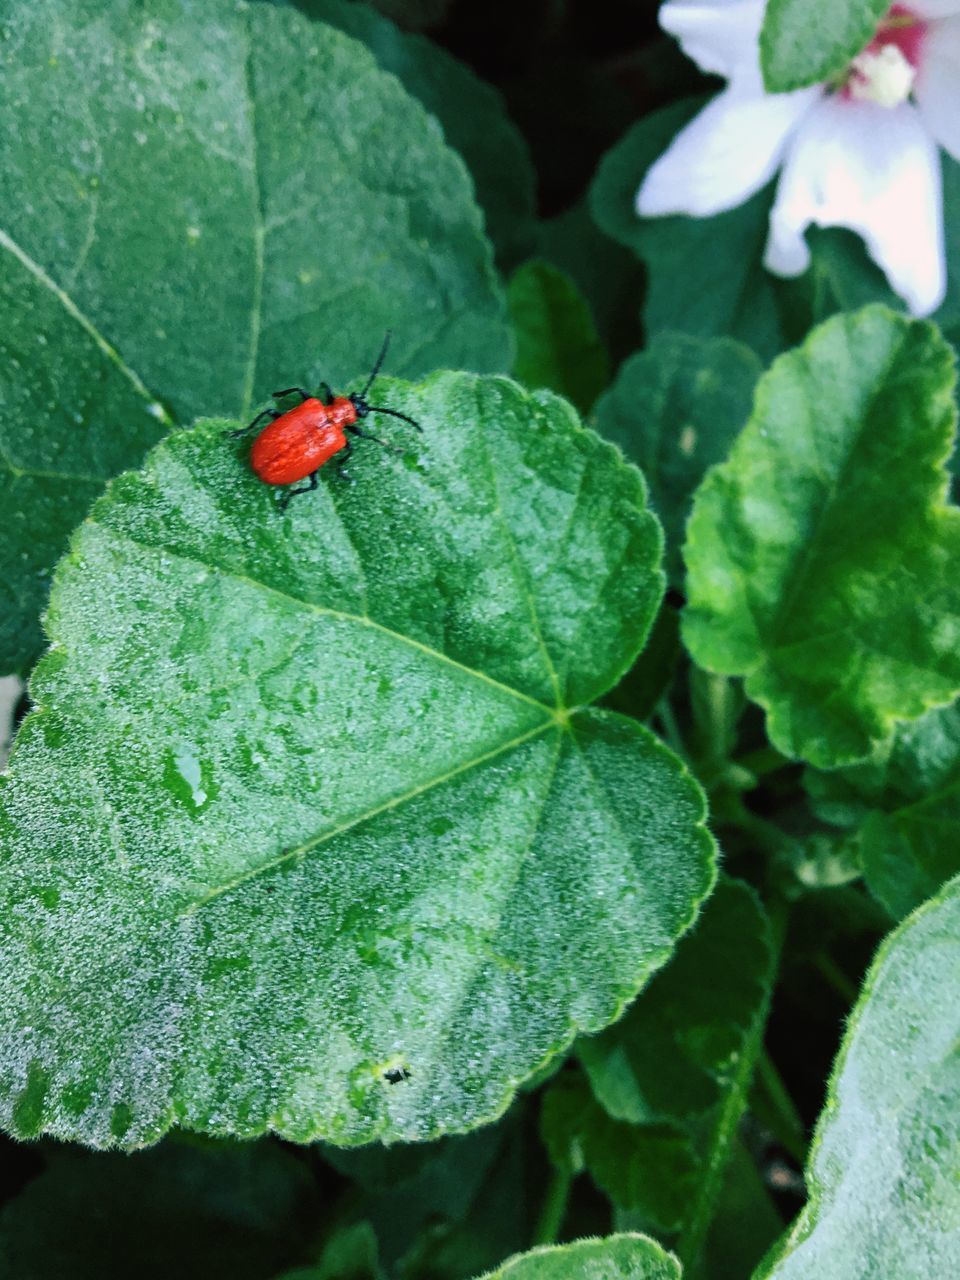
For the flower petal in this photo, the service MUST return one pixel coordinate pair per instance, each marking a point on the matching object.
(931, 10)
(877, 172)
(937, 88)
(727, 153)
(719, 35)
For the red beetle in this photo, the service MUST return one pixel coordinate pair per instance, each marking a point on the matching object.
(297, 443)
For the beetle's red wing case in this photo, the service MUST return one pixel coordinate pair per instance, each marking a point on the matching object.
(297, 443)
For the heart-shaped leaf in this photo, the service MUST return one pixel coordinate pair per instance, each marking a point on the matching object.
(822, 556)
(884, 1199)
(628, 1257)
(313, 829)
(202, 203)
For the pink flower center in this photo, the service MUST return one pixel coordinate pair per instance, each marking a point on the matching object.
(884, 72)
(903, 29)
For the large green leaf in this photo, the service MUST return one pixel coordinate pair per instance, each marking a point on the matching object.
(705, 276)
(805, 41)
(822, 557)
(471, 111)
(313, 828)
(884, 1196)
(191, 1209)
(675, 409)
(671, 1079)
(202, 203)
(626, 1257)
(905, 807)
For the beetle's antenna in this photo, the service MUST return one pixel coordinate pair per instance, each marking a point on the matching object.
(376, 367)
(376, 408)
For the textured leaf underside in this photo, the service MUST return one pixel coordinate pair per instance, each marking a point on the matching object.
(884, 1198)
(822, 555)
(313, 829)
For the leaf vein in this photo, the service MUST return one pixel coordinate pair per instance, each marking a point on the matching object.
(86, 324)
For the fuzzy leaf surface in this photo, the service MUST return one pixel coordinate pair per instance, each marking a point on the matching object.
(185, 229)
(675, 409)
(805, 41)
(620, 1257)
(314, 828)
(821, 556)
(884, 1198)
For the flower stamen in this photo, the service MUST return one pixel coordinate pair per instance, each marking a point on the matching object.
(885, 71)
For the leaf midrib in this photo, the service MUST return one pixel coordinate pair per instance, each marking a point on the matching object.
(806, 560)
(30, 264)
(552, 718)
(259, 228)
(307, 846)
(342, 615)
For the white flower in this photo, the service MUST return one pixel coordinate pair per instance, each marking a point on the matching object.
(860, 152)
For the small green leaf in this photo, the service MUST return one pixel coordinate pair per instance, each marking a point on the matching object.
(349, 1253)
(606, 273)
(648, 1170)
(821, 557)
(626, 1257)
(188, 1209)
(805, 41)
(557, 342)
(884, 1197)
(669, 1058)
(905, 806)
(412, 1187)
(313, 828)
(203, 203)
(675, 409)
(673, 1075)
(471, 111)
(705, 276)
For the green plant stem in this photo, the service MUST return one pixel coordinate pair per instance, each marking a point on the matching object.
(790, 1132)
(764, 761)
(689, 1246)
(670, 727)
(554, 1208)
(837, 978)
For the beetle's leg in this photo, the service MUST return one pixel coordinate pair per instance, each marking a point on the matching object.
(288, 391)
(365, 435)
(242, 431)
(327, 390)
(287, 497)
(344, 454)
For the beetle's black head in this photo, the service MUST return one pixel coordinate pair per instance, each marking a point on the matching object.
(359, 404)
